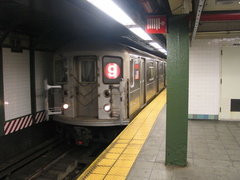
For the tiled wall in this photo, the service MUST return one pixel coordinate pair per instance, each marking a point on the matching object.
(204, 77)
(16, 77)
(16, 71)
(17, 91)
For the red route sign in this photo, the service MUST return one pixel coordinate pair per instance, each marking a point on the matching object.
(156, 25)
(112, 71)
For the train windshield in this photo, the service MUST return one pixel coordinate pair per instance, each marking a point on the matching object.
(86, 68)
(88, 71)
(60, 71)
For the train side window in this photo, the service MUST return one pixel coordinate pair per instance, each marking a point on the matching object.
(150, 73)
(60, 68)
(160, 66)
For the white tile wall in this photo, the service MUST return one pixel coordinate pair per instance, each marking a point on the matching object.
(205, 74)
(16, 72)
(43, 70)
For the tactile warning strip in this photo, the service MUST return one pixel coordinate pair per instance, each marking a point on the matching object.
(117, 159)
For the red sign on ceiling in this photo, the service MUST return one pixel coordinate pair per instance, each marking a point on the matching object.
(156, 25)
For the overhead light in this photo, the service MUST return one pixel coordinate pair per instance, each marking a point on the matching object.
(158, 47)
(141, 33)
(111, 9)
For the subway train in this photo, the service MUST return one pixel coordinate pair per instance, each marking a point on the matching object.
(102, 84)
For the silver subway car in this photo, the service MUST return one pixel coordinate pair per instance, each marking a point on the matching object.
(103, 84)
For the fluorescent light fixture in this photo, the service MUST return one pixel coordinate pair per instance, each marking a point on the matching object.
(113, 11)
(157, 46)
(141, 33)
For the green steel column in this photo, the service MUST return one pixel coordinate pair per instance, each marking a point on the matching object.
(177, 90)
(2, 115)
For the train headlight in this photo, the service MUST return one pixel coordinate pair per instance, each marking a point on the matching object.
(107, 93)
(65, 106)
(107, 107)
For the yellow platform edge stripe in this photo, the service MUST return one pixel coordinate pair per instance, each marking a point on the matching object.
(117, 159)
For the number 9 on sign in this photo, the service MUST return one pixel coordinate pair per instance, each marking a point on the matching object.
(112, 71)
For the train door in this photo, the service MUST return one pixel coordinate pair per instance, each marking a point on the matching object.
(161, 75)
(158, 76)
(165, 74)
(86, 86)
(142, 82)
(230, 94)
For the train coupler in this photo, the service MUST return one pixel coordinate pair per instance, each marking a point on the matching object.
(82, 136)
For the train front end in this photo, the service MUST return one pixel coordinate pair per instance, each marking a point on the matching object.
(93, 92)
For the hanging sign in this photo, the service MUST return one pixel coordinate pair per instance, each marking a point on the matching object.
(156, 25)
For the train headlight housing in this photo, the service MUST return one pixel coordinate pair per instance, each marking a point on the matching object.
(107, 93)
(65, 106)
(65, 92)
(107, 107)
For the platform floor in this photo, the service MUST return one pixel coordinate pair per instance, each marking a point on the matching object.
(213, 151)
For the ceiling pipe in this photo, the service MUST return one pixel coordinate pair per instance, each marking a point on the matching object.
(147, 6)
(197, 19)
(220, 17)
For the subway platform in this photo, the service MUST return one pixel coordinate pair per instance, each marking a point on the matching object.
(139, 151)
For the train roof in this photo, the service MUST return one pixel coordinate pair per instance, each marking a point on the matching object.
(89, 45)
(99, 44)
(140, 52)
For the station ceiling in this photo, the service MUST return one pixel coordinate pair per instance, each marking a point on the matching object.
(48, 24)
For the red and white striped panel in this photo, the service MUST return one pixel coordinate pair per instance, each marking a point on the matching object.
(40, 117)
(17, 124)
(23, 122)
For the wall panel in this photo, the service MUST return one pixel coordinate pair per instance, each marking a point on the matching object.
(16, 77)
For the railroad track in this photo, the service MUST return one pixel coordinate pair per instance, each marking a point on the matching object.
(57, 160)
